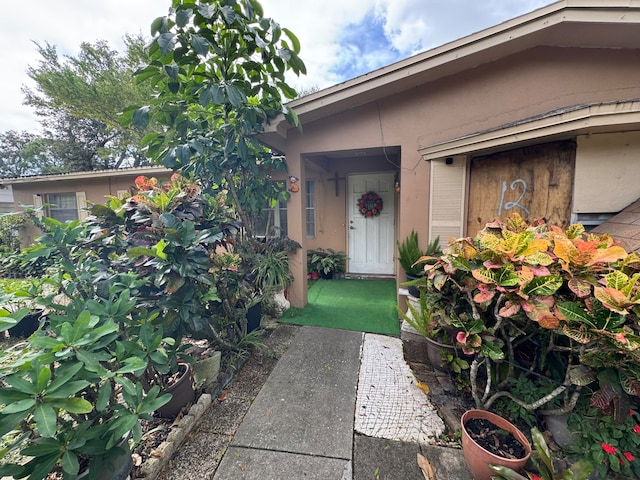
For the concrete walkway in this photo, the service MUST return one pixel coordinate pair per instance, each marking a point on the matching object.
(339, 405)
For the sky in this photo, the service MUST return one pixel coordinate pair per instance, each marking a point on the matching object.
(340, 39)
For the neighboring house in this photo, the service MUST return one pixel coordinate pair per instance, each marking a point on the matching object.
(65, 196)
(539, 115)
(6, 198)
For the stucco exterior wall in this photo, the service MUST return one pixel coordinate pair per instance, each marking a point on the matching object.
(524, 85)
(607, 172)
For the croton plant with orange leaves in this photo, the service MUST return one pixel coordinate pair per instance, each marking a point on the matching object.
(568, 291)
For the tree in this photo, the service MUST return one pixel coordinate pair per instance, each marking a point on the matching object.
(23, 153)
(218, 67)
(79, 99)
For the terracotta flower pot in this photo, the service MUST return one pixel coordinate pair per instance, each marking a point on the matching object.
(182, 393)
(478, 459)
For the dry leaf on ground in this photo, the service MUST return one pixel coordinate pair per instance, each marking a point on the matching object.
(428, 470)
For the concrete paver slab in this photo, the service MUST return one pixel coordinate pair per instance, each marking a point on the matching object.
(389, 404)
(449, 462)
(307, 404)
(198, 458)
(252, 464)
(382, 459)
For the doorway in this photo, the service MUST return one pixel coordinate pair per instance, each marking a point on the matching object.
(371, 238)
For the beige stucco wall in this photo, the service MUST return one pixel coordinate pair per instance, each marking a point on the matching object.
(524, 85)
(607, 175)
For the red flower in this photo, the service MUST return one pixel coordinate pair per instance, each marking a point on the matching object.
(608, 449)
(535, 477)
(629, 456)
(636, 429)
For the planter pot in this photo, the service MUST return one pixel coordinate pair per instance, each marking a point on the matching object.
(282, 304)
(254, 315)
(182, 393)
(413, 290)
(434, 353)
(28, 325)
(327, 275)
(557, 425)
(206, 371)
(315, 275)
(478, 459)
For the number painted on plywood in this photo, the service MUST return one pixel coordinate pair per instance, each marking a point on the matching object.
(518, 184)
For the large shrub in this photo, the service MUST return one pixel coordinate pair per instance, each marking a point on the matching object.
(569, 298)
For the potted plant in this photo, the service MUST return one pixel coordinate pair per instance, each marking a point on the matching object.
(267, 265)
(488, 439)
(440, 350)
(409, 253)
(327, 262)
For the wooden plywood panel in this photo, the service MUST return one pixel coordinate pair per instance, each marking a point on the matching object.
(536, 182)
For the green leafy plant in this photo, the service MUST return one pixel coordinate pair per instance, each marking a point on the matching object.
(219, 69)
(273, 270)
(543, 462)
(127, 284)
(527, 391)
(574, 295)
(409, 253)
(10, 225)
(327, 261)
(421, 318)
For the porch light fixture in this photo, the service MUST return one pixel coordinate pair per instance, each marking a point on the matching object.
(448, 160)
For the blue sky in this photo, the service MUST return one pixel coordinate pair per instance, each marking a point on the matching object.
(340, 39)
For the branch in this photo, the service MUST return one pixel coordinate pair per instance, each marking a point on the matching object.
(527, 406)
(568, 406)
(487, 387)
(473, 377)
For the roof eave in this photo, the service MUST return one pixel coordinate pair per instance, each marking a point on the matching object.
(558, 24)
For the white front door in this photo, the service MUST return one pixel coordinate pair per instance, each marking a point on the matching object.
(371, 245)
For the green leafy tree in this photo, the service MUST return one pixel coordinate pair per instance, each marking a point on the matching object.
(219, 68)
(23, 153)
(78, 100)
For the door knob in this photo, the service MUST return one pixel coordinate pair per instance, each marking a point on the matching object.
(351, 227)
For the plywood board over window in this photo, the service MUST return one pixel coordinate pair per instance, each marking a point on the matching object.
(536, 182)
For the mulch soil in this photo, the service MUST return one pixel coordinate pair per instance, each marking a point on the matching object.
(494, 439)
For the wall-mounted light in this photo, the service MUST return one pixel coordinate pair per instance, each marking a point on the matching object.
(396, 183)
(448, 160)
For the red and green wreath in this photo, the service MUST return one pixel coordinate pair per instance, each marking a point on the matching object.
(370, 204)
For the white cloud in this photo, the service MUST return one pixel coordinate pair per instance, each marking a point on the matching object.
(408, 25)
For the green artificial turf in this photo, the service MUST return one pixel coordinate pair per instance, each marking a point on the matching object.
(348, 304)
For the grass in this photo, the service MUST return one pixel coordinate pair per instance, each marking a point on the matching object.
(349, 304)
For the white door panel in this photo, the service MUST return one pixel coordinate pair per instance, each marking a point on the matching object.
(371, 239)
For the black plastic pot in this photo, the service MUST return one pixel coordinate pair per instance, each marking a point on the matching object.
(327, 275)
(182, 393)
(254, 315)
(413, 290)
(28, 325)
